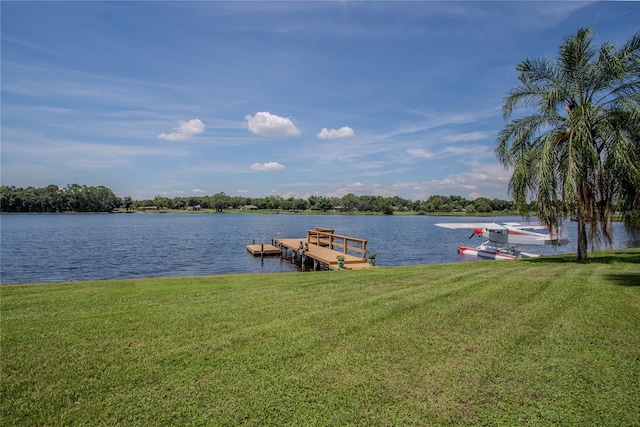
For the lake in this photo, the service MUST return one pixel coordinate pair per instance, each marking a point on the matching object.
(78, 247)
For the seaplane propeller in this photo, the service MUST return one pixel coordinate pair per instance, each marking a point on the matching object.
(477, 231)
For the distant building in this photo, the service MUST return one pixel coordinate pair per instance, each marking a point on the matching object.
(248, 208)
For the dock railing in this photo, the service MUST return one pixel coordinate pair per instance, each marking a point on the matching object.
(337, 242)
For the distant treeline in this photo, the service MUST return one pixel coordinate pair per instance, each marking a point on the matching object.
(77, 198)
(72, 198)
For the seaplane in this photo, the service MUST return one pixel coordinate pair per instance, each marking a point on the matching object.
(502, 239)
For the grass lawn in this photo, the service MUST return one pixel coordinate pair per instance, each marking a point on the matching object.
(538, 342)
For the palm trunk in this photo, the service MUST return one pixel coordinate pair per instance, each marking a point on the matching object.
(582, 202)
(582, 239)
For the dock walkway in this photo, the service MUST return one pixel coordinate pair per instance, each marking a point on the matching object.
(324, 246)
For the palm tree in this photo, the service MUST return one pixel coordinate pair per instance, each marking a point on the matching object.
(578, 153)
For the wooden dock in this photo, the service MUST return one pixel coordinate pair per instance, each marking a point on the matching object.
(264, 250)
(322, 247)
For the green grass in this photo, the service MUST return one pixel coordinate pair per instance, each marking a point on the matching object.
(537, 342)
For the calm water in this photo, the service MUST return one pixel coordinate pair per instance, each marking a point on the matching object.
(67, 248)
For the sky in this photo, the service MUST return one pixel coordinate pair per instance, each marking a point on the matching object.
(273, 98)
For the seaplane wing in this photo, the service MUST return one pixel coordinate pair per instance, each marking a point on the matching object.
(471, 225)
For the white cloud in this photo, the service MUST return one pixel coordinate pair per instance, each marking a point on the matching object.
(420, 152)
(355, 188)
(267, 124)
(198, 191)
(268, 166)
(343, 132)
(184, 130)
(289, 194)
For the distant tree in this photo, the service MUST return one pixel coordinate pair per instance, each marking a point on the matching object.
(76, 198)
(219, 201)
(433, 204)
(579, 153)
(178, 203)
(274, 202)
(127, 202)
(160, 201)
(350, 202)
(365, 203)
(482, 204)
(302, 204)
(324, 204)
(399, 203)
(238, 201)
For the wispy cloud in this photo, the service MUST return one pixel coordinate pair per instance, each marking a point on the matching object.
(433, 120)
(32, 46)
(466, 150)
(469, 136)
(420, 152)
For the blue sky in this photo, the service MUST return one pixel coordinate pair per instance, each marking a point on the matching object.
(273, 98)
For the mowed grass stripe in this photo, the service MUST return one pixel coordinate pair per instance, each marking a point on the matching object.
(544, 341)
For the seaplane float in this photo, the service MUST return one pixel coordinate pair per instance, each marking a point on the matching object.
(502, 239)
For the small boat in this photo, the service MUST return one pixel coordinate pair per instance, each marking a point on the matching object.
(487, 250)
